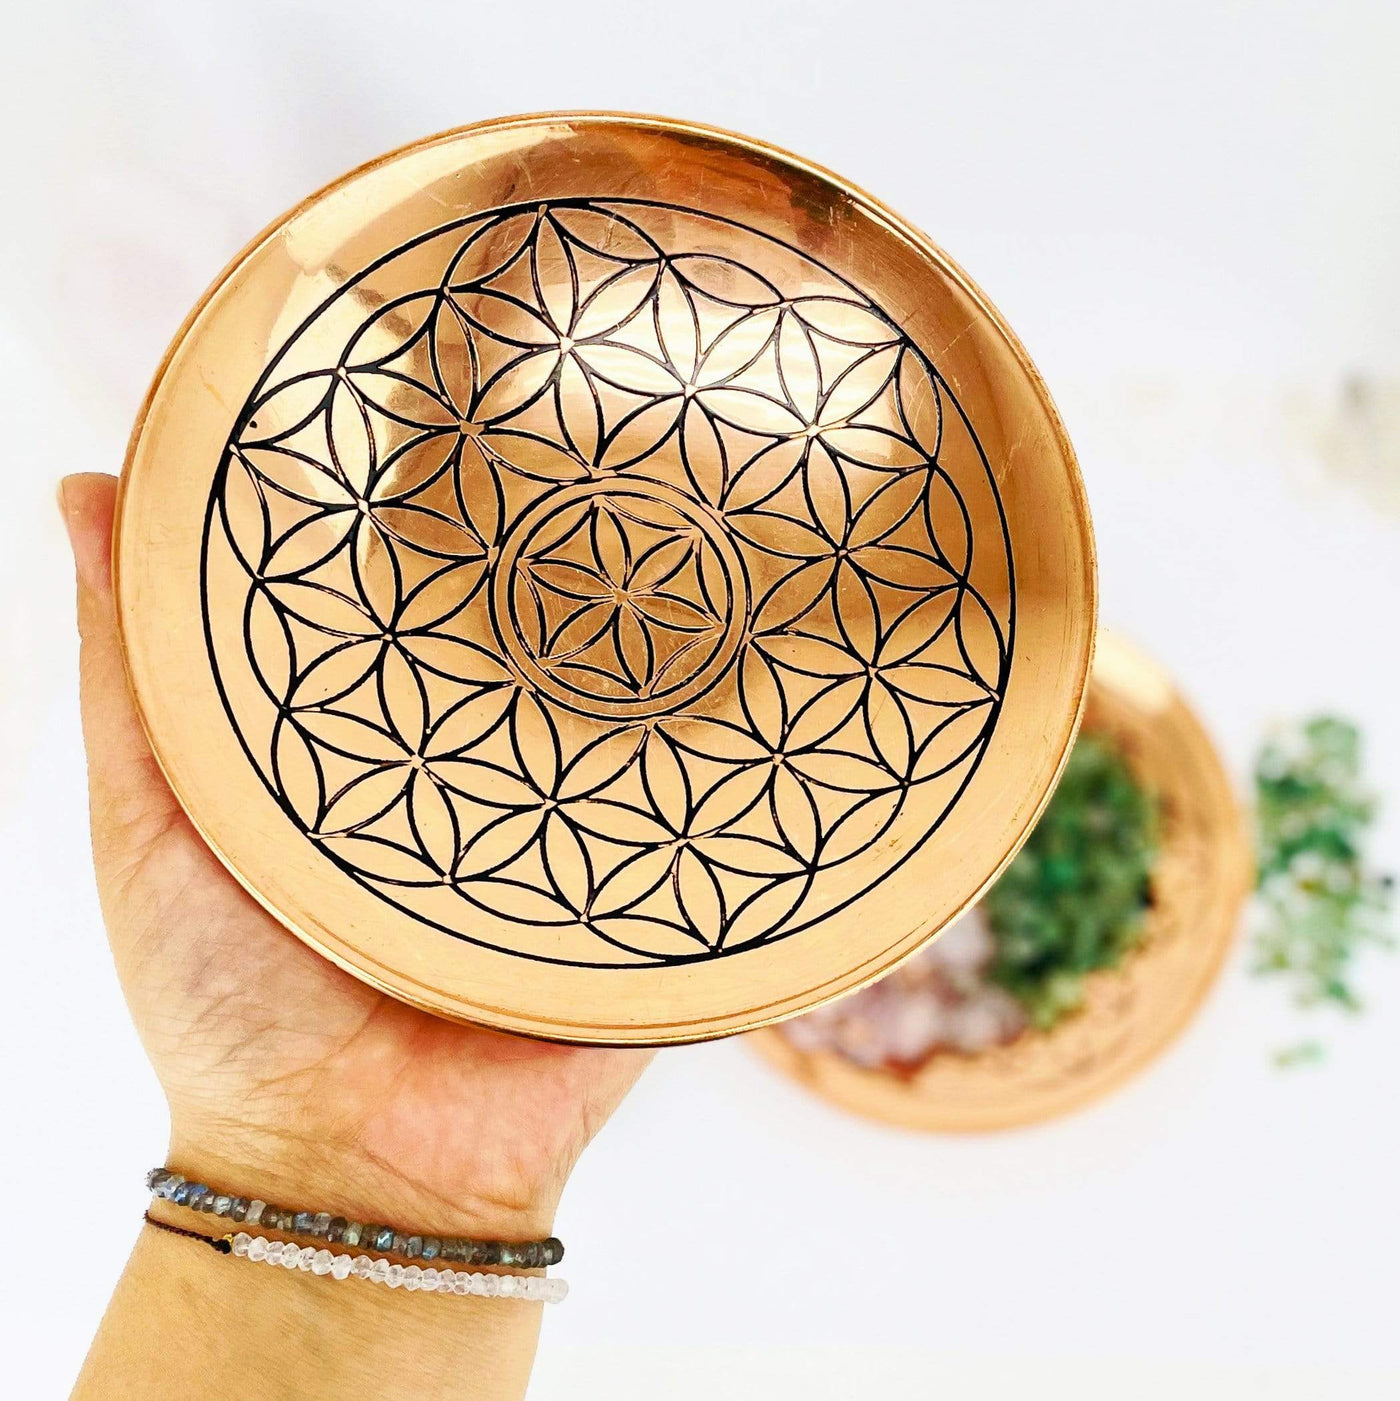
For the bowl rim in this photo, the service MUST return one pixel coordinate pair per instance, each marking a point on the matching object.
(684, 1030)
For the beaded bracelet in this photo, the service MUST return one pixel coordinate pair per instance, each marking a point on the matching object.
(290, 1256)
(527, 1255)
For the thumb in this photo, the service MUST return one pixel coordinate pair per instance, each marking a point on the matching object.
(131, 804)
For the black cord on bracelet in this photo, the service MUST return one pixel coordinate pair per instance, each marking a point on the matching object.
(223, 1244)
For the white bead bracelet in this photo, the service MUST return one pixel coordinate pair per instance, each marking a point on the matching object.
(291, 1256)
(377, 1270)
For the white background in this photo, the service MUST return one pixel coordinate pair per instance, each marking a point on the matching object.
(1191, 213)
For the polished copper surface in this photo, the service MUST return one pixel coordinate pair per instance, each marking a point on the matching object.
(605, 578)
(1202, 876)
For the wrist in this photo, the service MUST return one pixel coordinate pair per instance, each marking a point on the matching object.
(186, 1321)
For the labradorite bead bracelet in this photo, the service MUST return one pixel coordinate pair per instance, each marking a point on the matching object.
(173, 1187)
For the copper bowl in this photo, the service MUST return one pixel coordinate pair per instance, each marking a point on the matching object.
(605, 578)
(1203, 873)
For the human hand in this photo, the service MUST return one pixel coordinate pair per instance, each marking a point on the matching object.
(285, 1076)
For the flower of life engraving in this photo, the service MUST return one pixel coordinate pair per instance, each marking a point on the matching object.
(601, 588)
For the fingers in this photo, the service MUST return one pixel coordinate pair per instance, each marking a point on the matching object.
(130, 801)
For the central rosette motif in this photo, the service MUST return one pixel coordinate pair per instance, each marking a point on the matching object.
(604, 598)
(620, 597)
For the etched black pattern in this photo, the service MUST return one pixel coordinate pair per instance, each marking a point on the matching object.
(607, 586)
